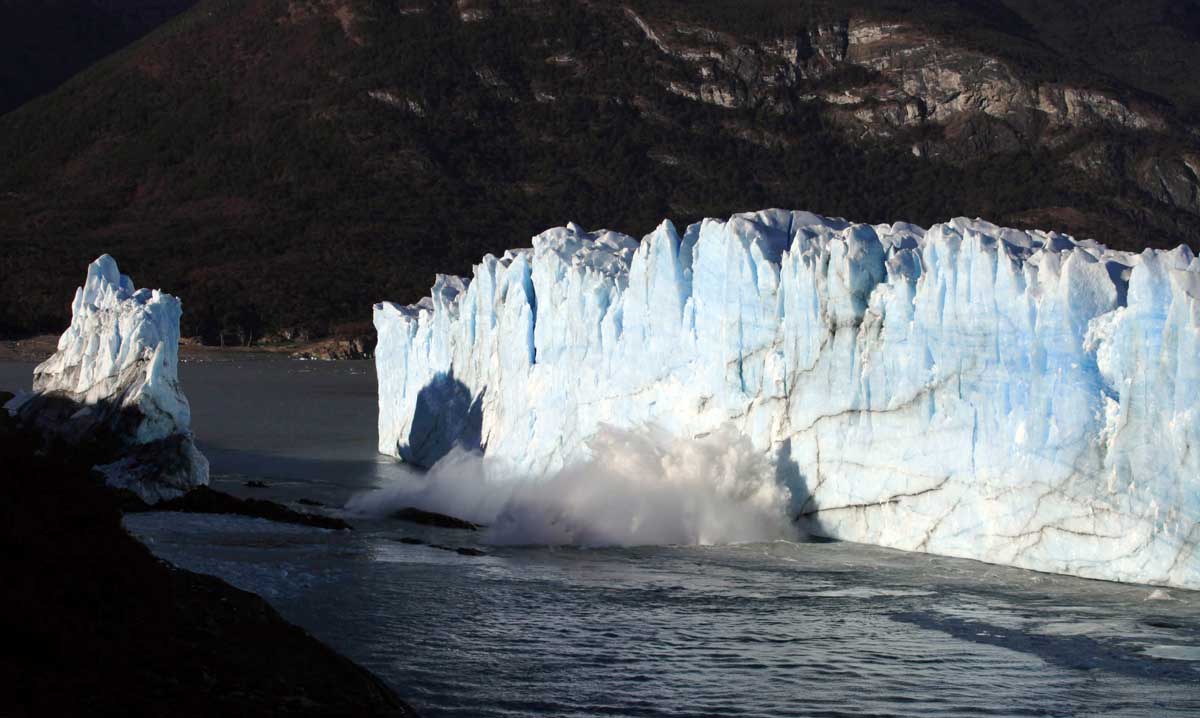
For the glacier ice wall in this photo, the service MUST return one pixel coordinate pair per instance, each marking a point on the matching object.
(114, 381)
(1016, 397)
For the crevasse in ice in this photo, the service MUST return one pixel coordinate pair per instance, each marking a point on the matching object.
(1013, 396)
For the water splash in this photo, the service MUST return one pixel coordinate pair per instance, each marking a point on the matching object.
(637, 487)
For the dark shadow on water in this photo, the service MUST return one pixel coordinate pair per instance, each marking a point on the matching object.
(1075, 652)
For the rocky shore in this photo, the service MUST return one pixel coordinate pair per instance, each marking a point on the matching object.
(96, 625)
(39, 348)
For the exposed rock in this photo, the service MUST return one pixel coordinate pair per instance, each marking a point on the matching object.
(362, 347)
(910, 79)
(1077, 107)
(300, 11)
(472, 10)
(396, 100)
(1171, 180)
(147, 468)
(203, 500)
(850, 87)
(95, 624)
(208, 501)
(6, 420)
(460, 550)
(928, 77)
(430, 518)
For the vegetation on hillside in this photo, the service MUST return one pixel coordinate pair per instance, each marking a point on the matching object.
(282, 171)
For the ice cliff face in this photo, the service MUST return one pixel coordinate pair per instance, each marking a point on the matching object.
(113, 386)
(1016, 397)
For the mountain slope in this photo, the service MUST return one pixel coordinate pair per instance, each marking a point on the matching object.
(44, 42)
(286, 163)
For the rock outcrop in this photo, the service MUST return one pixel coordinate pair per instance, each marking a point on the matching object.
(898, 77)
(338, 348)
(96, 625)
(1078, 116)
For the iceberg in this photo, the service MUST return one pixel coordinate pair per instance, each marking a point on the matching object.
(1017, 397)
(112, 388)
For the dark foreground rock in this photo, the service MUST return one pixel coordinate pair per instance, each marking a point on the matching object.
(95, 625)
(105, 434)
(203, 500)
(460, 550)
(430, 518)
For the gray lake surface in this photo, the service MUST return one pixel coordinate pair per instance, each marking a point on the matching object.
(769, 629)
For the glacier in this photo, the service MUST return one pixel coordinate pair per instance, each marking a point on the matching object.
(1017, 397)
(112, 387)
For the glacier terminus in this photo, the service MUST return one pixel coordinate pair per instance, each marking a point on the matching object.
(1017, 397)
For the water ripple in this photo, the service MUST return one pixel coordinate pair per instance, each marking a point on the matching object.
(757, 631)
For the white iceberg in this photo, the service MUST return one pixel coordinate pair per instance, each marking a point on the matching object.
(1012, 396)
(113, 387)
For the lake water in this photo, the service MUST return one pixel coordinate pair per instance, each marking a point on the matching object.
(768, 629)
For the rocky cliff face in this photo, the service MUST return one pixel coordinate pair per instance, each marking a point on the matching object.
(890, 81)
(343, 134)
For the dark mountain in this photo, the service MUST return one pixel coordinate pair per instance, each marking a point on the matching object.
(285, 163)
(44, 42)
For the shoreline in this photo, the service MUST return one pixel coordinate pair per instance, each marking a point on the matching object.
(101, 626)
(40, 348)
